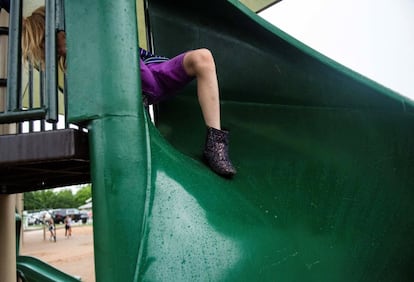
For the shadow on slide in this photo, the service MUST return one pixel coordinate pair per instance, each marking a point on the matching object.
(31, 269)
(325, 159)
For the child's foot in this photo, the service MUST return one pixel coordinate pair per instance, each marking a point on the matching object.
(216, 152)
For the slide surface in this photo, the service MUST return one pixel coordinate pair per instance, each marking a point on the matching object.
(34, 270)
(325, 159)
(325, 179)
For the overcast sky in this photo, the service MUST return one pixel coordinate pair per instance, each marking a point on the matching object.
(372, 37)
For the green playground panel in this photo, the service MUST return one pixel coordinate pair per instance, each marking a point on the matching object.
(324, 155)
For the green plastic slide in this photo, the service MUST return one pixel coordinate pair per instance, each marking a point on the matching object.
(34, 270)
(325, 179)
(325, 160)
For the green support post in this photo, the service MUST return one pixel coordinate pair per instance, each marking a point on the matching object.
(104, 92)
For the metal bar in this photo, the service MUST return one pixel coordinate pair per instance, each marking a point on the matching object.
(42, 95)
(60, 25)
(14, 56)
(30, 91)
(60, 15)
(65, 97)
(51, 62)
(20, 116)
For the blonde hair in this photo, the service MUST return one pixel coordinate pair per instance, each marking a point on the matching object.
(33, 39)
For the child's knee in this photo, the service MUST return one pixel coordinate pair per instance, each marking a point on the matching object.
(200, 60)
(205, 57)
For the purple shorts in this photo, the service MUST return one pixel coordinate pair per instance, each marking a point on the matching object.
(163, 80)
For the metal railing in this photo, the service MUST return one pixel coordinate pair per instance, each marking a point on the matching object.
(38, 100)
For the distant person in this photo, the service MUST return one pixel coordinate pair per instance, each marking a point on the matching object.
(161, 78)
(68, 227)
(52, 228)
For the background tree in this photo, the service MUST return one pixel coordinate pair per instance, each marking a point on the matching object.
(83, 194)
(53, 199)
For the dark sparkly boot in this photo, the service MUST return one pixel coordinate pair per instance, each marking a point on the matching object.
(216, 152)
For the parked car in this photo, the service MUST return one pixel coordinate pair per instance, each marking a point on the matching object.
(31, 220)
(59, 215)
(40, 217)
(84, 216)
(75, 214)
(34, 218)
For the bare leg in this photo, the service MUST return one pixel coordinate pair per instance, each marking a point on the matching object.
(200, 63)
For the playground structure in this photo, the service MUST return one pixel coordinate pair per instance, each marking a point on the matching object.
(325, 156)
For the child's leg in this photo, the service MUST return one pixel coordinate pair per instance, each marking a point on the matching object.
(164, 79)
(200, 64)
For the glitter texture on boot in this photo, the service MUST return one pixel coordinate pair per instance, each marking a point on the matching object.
(216, 152)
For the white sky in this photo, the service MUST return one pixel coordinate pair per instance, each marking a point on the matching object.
(372, 37)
